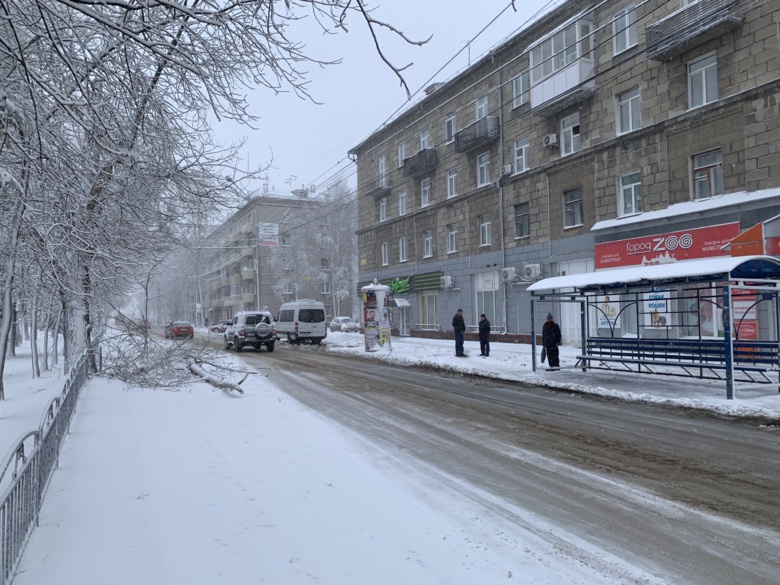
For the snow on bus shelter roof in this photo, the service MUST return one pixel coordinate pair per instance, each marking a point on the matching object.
(708, 269)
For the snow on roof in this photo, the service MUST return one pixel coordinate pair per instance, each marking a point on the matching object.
(679, 209)
(741, 267)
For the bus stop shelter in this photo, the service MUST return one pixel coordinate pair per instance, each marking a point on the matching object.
(708, 318)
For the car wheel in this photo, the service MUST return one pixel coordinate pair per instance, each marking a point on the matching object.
(269, 346)
(236, 345)
(317, 341)
(226, 343)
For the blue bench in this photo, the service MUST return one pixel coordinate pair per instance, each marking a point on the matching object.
(704, 358)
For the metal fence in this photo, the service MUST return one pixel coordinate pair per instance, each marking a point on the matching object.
(33, 460)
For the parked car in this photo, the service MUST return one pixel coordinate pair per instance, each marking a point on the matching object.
(345, 324)
(302, 320)
(174, 329)
(253, 328)
(220, 327)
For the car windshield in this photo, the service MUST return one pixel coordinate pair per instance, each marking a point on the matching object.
(181, 324)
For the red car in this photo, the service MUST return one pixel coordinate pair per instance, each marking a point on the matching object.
(176, 329)
(220, 327)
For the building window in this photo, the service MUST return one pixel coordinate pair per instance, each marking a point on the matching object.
(624, 30)
(402, 202)
(449, 128)
(325, 288)
(425, 192)
(522, 221)
(629, 116)
(452, 183)
(707, 174)
(630, 200)
(383, 209)
(401, 154)
(382, 164)
(521, 155)
(402, 250)
(452, 238)
(427, 243)
(488, 299)
(703, 81)
(429, 308)
(483, 169)
(288, 288)
(570, 133)
(324, 264)
(385, 254)
(572, 208)
(481, 107)
(520, 89)
(561, 49)
(425, 138)
(485, 235)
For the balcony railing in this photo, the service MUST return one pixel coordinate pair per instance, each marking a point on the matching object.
(479, 134)
(421, 163)
(693, 25)
(566, 87)
(378, 186)
(248, 274)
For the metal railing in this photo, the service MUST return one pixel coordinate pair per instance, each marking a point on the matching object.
(23, 490)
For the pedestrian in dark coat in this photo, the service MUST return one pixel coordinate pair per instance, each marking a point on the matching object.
(551, 339)
(484, 336)
(459, 326)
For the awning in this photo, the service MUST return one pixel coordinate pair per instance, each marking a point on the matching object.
(399, 303)
(721, 268)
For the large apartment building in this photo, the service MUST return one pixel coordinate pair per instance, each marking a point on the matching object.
(243, 265)
(606, 134)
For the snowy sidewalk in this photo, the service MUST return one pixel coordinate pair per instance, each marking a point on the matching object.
(203, 488)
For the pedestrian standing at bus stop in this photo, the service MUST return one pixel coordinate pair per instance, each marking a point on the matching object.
(551, 339)
(459, 326)
(484, 336)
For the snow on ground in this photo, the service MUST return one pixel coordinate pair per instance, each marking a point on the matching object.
(199, 486)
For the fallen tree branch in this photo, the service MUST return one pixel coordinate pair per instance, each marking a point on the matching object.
(214, 380)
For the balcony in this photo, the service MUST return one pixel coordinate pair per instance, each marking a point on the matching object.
(421, 163)
(693, 25)
(378, 186)
(481, 133)
(248, 298)
(564, 88)
(248, 252)
(248, 274)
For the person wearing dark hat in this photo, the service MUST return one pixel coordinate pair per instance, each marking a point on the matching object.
(459, 326)
(551, 339)
(484, 336)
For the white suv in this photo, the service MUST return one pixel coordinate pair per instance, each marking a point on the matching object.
(254, 328)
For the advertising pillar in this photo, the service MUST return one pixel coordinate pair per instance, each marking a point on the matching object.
(376, 316)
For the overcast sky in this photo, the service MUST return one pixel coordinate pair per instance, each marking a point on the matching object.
(309, 142)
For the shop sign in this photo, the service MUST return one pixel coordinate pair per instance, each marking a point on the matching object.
(665, 248)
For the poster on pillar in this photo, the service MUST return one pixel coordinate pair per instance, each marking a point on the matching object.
(377, 317)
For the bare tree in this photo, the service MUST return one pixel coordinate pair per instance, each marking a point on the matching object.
(105, 152)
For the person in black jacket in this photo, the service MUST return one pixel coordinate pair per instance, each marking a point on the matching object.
(551, 339)
(459, 326)
(484, 336)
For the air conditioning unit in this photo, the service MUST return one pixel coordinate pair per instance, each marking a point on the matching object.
(509, 274)
(507, 170)
(551, 140)
(446, 282)
(532, 271)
